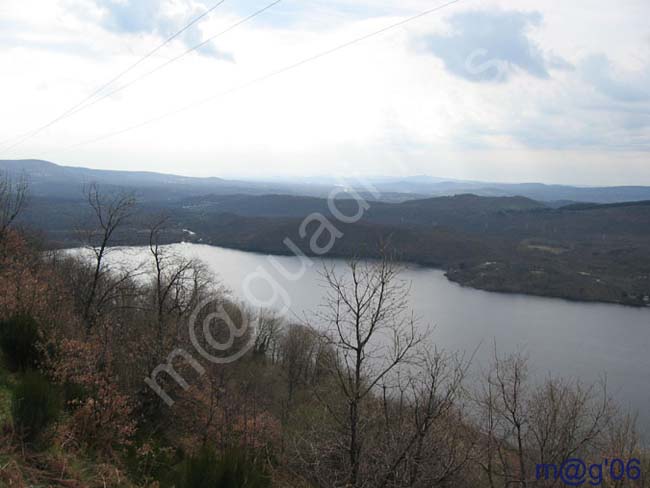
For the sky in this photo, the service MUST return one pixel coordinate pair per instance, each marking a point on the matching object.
(494, 90)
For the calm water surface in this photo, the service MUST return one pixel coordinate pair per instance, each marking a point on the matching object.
(574, 340)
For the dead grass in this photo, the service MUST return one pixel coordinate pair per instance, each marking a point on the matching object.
(22, 468)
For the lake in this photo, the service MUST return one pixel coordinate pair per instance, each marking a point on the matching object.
(574, 340)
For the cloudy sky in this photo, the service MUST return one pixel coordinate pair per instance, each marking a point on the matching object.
(501, 90)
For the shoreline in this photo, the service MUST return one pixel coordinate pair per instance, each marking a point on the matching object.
(447, 271)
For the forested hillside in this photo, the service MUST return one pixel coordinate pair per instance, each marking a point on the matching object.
(103, 381)
(508, 244)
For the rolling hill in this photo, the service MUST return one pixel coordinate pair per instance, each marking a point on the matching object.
(580, 251)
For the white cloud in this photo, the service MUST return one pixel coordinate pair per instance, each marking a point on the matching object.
(489, 46)
(377, 107)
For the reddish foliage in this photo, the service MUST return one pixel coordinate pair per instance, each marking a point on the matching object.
(101, 419)
(31, 286)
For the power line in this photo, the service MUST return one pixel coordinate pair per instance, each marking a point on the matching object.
(28, 135)
(176, 58)
(267, 76)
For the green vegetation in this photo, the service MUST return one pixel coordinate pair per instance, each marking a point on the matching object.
(5, 396)
(19, 338)
(232, 469)
(35, 405)
(28, 400)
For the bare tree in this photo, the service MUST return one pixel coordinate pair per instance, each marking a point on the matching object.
(267, 337)
(567, 419)
(13, 196)
(509, 380)
(300, 348)
(526, 424)
(424, 417)
(178, 285)
(372, 333)
(110, 212)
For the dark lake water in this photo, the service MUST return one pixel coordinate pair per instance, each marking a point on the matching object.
(574, 340)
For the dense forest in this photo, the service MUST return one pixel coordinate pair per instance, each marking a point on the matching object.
(103, 381)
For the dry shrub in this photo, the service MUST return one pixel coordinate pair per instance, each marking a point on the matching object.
(225, 410)
(12, 475)
(256, 431)
(30, 286)
(27, 469)
(102, 418)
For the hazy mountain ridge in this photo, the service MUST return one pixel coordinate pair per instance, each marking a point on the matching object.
(534, 191)
(49, 179)
(52, 180)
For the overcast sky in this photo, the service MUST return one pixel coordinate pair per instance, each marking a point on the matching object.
(506, 90)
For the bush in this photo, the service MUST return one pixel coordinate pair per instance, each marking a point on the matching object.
(18, 341)
(232, 470)
(150, 460)
(35, 405)
(73, 395)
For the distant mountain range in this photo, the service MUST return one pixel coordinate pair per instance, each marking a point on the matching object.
(556, 194)
(47, 179)
(51, 180)
(561, 241)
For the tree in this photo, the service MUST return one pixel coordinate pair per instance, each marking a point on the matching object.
(423, 415)
(525, 425)
(178, 282)
(109, 214)
(13, 196)
(300, 348)
(372, 333)
(268, 331)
